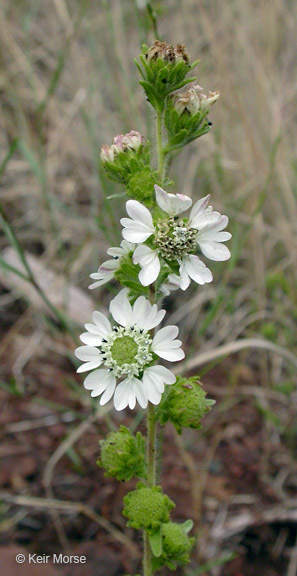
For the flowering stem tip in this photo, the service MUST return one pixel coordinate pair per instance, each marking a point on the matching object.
(168, 242)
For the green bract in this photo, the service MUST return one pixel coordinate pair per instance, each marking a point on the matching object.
(176, 545)
(184, 404)
(123, 455)
(147, 508)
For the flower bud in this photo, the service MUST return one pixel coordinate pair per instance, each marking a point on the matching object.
(123, 455)
(147, 508)
(130, 142)
(133, 140)
(176, 545)
(184, 404)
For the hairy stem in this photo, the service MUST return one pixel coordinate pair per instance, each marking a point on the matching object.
(151, 479)
(161, 155)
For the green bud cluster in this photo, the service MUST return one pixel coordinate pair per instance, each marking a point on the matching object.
(147, 508)
(123, 455)
(184, 404)
(176, 545)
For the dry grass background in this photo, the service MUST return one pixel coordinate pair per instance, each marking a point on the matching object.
(67, 86)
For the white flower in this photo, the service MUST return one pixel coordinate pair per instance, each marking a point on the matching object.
(127, 351)
(192, 101)
(175, 239)
(107, 270)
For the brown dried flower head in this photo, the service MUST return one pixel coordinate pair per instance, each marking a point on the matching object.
(168, 52)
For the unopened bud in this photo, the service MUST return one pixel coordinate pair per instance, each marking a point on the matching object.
(130, 142)
(147, 508)
(133, 140)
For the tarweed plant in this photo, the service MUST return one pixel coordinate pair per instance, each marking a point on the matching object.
(167, 243)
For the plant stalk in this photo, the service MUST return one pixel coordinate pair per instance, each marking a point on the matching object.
(151, 479)
(161, 154)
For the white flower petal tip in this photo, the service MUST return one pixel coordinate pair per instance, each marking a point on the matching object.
(192, 268)
(149, 261)
(172, 204)
(139, 227)
(166, 346)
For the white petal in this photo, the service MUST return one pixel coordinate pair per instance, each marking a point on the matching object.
(198, 208)
(214, 250)
(184, 278)
(140, 227)
(121, 395)
(208, 218)
(154, 318)
(139, 213)
(160, 371)
(102, 324)
(132, 399)
(121, 310)
(153, 393)
(115, 251)
(135, 233)
(165, 345)
(140, 392)
(91, 339)
(100, 280)
(89, 366)
(194, 268)
(217, 226)
(173, 204)
(141, 311)
(87, 353)
(173, 355)
(149, 262)
(165, 335)
(98, 381)
(107, 395)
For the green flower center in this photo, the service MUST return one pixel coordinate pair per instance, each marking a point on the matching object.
(174, 238)
(124, 350)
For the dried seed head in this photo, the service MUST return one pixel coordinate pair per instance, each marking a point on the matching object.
(168, 52)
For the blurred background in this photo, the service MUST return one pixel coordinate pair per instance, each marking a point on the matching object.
(68, 84)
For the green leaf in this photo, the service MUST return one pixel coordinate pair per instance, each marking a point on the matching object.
(187, 526)
(156, 543)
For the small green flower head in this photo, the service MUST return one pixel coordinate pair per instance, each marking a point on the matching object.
(176, 544)
(184, 404)
(147, 508)
(123, 455)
